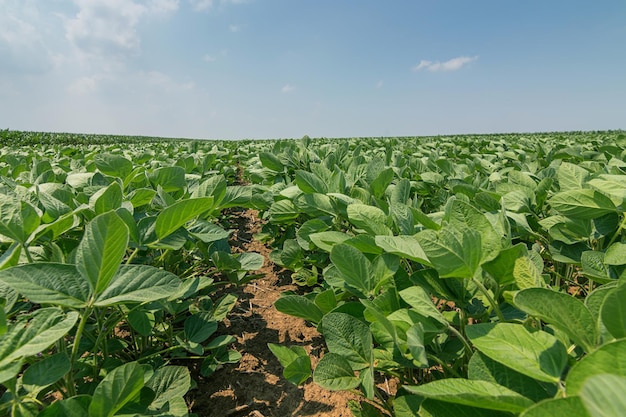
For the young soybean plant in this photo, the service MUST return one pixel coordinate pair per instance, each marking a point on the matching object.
(63, 355)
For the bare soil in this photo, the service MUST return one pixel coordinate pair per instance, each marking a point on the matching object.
(255, 387)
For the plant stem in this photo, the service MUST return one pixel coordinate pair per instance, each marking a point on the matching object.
(468, 347)
(618, 232)
(71, 388)
(132, 256)
(27, 253)
(493, 303)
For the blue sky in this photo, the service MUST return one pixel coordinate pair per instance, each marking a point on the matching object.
(235, 69)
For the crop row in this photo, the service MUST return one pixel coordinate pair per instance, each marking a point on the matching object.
(484, 273)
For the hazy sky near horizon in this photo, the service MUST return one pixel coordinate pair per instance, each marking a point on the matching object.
(235, 69)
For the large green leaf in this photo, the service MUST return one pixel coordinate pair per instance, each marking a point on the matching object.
(615, 254)
(49, 283)
(569, 406)
(571, 176)
(299, 306)
(348, 337)
(564, 312)
(295, 361)
(76, 406)
(610, 184)
(538, 355)
(354, 267)
(608, 359)
(32, 334)
(403, 246)
(271, 161)
(170, 178)
(613, 312)
(173, 217)
(101, 250)
(113, 165)
(434, 408)
(452, 252)
(168, 383)
(18, 219)
(106, 199)
(483, 368)
(514, 266)
(603, 396)
(47, 370)
(369, 218)
(462, 215)
(582, 204)
(138, 283)
(310, 183)
(481, 394)
(119, 387)
(333, 372)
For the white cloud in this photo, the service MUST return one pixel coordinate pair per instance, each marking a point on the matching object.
(200, 5)
(164, 82)
(287, 88)
(209, 58)
(203, 5)
(104, 28)
(163, 6)
(85, 85)
(234, 28)
(450, 65)
(26, 38)
(380, 84)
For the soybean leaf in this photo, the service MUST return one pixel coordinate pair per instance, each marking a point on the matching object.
(32, 334)
(271, 161)
(480, 394)
(483, 368)
(514, 266)
(47, 370)
(571, 176)
(603, 396)
(49, 283)
(569, 406)
(207, 231)
(175, 216)
(310, 183)
(434, 408)
(333, 372)
(369, 218)
(613, 312)
(616, 254)
(295, 361)
(607, 359)
(564, 312)
(298, 306)
(348, 337)
(106, 199)
(168, 383)
(582, 203)
(77, 406)
(326, 240)
(538, 355)
(101, 250)
(453, 253)
(119, 387)
(403, 246)
(138, 283)
(169, 178)
(198, 328)
(113, 165)
(18, 219)
(354, 267)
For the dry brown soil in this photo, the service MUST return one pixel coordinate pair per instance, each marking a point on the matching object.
(255, 387)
